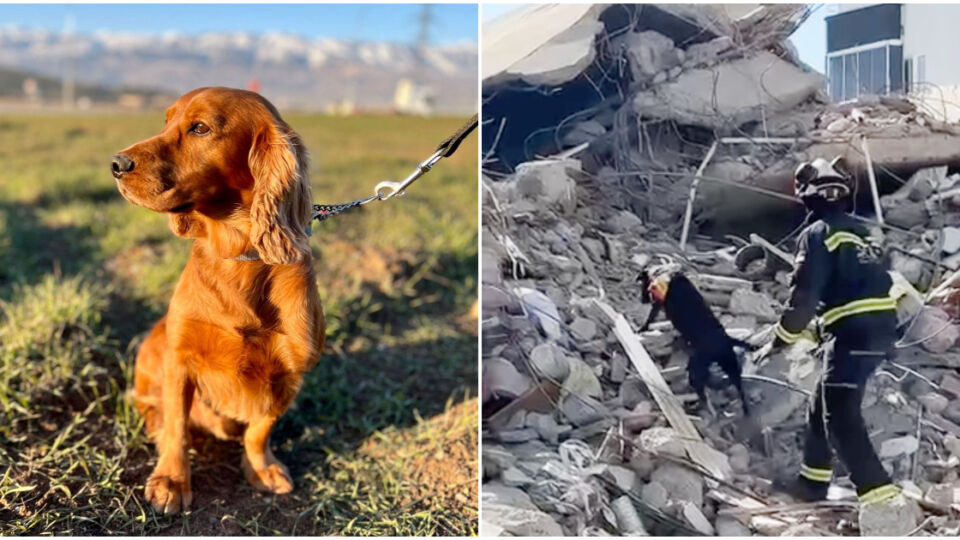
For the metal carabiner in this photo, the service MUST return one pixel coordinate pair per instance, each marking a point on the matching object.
(386, 189)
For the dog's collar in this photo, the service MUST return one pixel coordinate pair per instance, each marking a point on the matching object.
(253, 255)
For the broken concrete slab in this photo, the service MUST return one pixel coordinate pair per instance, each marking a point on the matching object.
(556, 44)
(518, 521)
(649, 53)
(730, 94)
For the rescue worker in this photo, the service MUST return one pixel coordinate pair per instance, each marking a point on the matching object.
(840, 276)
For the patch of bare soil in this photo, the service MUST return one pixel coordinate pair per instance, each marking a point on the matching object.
(441, 459)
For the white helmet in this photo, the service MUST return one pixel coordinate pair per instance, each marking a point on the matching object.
(829, 180)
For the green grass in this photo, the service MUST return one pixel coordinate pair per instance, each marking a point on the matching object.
(382, 438)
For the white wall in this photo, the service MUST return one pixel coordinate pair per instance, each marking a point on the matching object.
(931, 30)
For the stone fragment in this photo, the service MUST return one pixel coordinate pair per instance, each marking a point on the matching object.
(739, 457)
(618, 368)
(899, 446)
(729, 526)
(583, 329)
(502, 378)
(759, 305)
(628, 519)
(655, 495)
(548, 182)
(592, 429)
(696, 519)
(895, 517)
(581, 411)
(906, 214)
(549, 362)
(661, 441)
(518, 521)
(650, 53)
(681, 483)
(934, 402)
(943, 494)
(546, 426)
(626, 479)
(543, 310)
(495, 459)
(517, 435)
(934, 330)
(514, 477)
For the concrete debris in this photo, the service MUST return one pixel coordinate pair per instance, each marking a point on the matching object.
(502, 378)
(628, 520)
(626, 101)
(900, 446)
(655, 495)
(896, 517)
(730, 94)
(746, 302)
(681, 483)
(728, 526)
(934, 330)
(548, 182)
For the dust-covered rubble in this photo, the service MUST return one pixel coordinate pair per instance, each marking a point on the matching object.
(597, 127)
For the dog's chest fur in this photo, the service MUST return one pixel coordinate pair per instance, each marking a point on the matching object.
(239, 374)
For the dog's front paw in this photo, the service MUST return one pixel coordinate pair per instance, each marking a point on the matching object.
(273, 479)
(168, 494)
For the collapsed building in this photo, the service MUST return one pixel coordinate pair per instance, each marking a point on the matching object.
(615, 135)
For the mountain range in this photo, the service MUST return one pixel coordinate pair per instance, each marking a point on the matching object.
(293, 71)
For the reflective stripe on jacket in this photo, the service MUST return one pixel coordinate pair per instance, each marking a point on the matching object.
(840, 273)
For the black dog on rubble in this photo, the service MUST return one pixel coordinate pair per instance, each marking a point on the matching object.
(691, 317)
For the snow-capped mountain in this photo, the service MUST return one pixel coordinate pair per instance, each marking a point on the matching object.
(294, 71)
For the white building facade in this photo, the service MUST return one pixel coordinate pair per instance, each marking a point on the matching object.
(896, 49)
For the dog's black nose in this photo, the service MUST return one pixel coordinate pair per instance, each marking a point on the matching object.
(121, 165)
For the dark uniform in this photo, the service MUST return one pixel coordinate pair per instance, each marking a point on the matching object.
(842, 277)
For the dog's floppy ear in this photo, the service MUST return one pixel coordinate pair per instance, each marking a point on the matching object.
(281, 206)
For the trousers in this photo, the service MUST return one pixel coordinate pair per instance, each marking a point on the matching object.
(836, 408)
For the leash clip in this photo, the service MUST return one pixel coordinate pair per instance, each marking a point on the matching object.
(386, 189)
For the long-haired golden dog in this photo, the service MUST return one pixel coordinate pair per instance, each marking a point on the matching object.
(245, 321)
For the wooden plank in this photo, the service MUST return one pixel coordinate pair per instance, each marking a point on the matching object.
(698, 451)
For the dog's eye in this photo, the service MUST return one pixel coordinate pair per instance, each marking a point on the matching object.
(199, 129)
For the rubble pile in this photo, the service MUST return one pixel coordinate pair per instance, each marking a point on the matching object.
(582, 430)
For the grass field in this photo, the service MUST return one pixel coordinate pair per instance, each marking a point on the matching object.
(382, 438)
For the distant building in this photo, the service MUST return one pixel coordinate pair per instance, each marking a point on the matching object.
(896, 49)
(411, 98)
(132, 101)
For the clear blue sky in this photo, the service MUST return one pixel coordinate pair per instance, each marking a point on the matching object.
(810, 39)
(452, 23)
